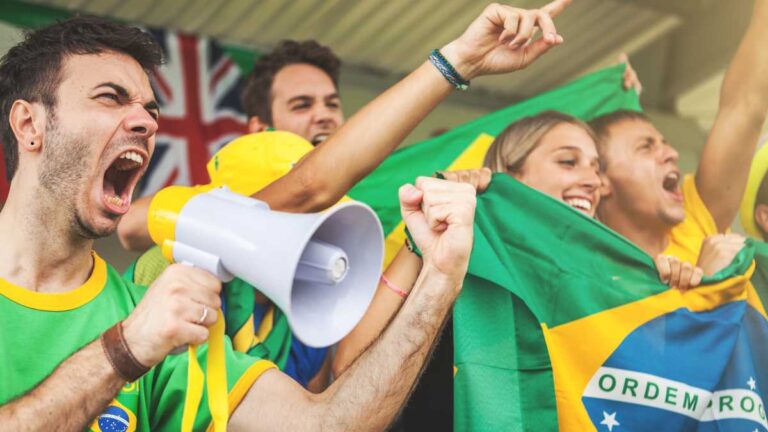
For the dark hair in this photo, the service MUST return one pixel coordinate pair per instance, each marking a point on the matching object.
(601, 125)
(257, 94)
(31, 70)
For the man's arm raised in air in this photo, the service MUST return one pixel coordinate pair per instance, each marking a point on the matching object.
(724, 167)
(438, 213)
(322, 177)
(369, 394)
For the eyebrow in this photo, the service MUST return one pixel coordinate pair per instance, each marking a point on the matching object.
(122, 93)
(301, 98)
(307, 98)
(569, 147)
(592, 161)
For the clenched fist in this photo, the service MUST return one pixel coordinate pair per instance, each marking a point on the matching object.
(440, 216)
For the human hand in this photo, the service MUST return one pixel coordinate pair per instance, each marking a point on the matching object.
(718, 251)
(501, 39)
(440, 217)
(176, 311)
(678, 274)
(631, 80)
(478, 178)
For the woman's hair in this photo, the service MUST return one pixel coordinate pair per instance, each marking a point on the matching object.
(512, 146)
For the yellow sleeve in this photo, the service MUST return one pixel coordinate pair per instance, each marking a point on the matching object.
(686, 237)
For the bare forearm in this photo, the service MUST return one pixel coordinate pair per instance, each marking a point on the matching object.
(371, 392)
(132, 231)
(68, 400)
(328, 172)
(722, 174)
(746, 80)
(402, 273)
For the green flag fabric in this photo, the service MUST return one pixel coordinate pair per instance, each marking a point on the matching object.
(465, 146)
(564, 324)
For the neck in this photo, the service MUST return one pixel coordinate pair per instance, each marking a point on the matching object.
(651, 238)
(40, 250)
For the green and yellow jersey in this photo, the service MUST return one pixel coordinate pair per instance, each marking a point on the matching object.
(39, 330)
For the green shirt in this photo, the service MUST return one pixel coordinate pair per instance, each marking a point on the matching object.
(38, 331)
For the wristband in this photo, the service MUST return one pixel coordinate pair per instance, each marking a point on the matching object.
(393, 287)
(449, 72)
(411, 245)
(120, 356)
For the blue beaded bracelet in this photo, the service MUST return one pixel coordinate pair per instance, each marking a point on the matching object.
(445, 68)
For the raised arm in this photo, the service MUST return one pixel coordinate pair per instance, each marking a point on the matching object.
(495, 44)
(498, 43)
(397, 282)
(439, 216)
(400, 277)
(369, 394)
(722, 174)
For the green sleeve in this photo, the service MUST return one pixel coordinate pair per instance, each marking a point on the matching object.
(148, 267)
(169, 383)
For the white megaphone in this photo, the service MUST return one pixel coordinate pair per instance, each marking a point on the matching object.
(320, 269)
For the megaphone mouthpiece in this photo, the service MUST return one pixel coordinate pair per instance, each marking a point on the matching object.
(322, 263)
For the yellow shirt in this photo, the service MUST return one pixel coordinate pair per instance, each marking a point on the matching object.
(686, 238)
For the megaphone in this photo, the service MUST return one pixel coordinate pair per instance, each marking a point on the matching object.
(320, 269)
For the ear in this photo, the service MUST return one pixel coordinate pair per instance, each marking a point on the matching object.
(28, 123)
(606, 190)
(255, 124)
(761, 216)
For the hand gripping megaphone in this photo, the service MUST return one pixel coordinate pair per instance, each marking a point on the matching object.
(320, 269)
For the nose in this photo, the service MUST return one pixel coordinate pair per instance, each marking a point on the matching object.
(139, 122)
(324, 115)
(669, 154)
(590, 178)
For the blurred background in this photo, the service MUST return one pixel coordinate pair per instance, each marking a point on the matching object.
(679, 48)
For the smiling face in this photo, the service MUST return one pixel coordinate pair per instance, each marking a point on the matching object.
(98, 140)
(565, 166)
(306, 102)
(644, 178)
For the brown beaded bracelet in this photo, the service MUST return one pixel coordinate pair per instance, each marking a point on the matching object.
(120, 356)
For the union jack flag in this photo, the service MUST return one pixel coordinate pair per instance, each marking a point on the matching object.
(198, 90)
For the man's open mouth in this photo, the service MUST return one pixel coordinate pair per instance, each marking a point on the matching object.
(120, 179)
(317, 139)
(671, 184)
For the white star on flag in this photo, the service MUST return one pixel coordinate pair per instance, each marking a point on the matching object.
(751, 383)
(609, 420)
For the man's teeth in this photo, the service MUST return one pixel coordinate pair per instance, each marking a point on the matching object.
(671, 181)
(129, 160)
(115, 200)
(579, 203)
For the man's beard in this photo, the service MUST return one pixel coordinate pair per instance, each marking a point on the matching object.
(63, 172)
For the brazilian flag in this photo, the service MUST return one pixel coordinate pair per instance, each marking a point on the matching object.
(465, 146)
(563, 324)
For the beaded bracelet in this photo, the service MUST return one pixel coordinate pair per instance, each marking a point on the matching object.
(448, 71)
